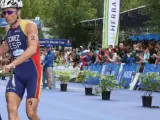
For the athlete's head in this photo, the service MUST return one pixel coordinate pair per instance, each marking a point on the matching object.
(11, 10)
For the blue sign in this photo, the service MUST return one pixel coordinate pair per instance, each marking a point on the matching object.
(106, 69)
(110, 69)
(96, 68)
(148, 68)
(3, 22)
(56, 42)
(128, 72)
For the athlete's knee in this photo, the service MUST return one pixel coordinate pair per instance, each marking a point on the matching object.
(12, 112)
(31, 115)
(11, 108)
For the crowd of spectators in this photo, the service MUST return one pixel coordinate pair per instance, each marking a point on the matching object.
(137, 53)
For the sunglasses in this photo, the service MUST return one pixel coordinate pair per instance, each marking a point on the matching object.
(8, 12)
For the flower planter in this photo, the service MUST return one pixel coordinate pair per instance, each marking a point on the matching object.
(106, 95)
(3, 77)
(147, 101)
(88, 91)
(63, 87)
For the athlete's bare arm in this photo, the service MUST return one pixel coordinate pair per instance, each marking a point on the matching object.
(32, 34)
(4, 48)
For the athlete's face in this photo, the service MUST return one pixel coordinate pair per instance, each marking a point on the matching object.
(10, 15)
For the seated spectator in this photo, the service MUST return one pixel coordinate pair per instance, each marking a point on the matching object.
(127, 58)
(146, 55)
(157, 56)
(115, 58)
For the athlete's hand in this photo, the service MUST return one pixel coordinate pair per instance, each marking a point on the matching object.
(7, 68)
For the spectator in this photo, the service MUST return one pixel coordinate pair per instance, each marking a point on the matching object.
(48, 65)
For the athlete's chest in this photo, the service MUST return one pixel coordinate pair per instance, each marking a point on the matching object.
(16, 39)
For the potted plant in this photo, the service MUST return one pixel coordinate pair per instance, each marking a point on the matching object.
(106, 85)
(4, 74)
(86, 77)
(149, 82)
(64, 77)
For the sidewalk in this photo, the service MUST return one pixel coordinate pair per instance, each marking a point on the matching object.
(74, 105)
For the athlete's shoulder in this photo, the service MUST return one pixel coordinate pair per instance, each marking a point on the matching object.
(26, 25)
(31, 23)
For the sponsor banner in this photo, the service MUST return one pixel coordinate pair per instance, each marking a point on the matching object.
(129, 71)
(56, 42)
(111, 69)
(111, 22)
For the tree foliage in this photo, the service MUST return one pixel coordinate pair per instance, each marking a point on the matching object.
(153, 10)
(69, 13)
(64, 16)
(129, 4)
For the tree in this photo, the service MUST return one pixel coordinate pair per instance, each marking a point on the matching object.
(69, 13)
(41, 8)
(129, 4)
(153, 11)
(125, 5)
(99, 6)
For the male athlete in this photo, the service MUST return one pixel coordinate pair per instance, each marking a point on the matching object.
(22, 42)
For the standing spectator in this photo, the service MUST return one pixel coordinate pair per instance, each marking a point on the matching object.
(93, 57)
(84, 61)
(48, 65)
(76, 59)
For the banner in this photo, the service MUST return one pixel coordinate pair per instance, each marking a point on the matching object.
(149, 68)
(111, 69)
(129, 71)
(56, 42)
(111, 22)
(96, 68)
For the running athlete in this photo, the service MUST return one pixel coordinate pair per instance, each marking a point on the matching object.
(22, 42)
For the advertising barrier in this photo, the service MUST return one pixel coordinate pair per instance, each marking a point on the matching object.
(126, 74)
(129, 71)
(96, 68)
(148, 68)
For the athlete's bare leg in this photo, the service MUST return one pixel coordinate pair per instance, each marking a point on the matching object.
(13, 102)
(31, 108)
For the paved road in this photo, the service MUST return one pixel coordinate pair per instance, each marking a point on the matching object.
(74, 105)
